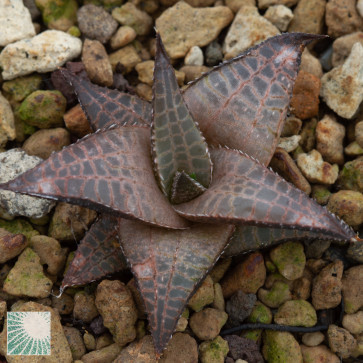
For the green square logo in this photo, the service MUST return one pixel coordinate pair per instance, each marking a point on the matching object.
(28, 333)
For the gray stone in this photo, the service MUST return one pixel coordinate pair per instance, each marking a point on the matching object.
(213, 54)
(96, 23)
(13, 163)
(239, 307)
(43, 53)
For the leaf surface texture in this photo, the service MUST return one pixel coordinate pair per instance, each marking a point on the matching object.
(168, 266)
(177, 143)
(110, 171)
(97, 255)
(244, 191)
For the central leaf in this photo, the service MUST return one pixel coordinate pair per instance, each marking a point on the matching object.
(177, 143)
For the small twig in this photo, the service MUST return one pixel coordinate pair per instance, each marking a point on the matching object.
(278, 327)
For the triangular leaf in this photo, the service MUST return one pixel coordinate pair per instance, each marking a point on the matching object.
(110, 171)
(168, 266)
(97, 255)
(244, 191)
(177, 143)
(242, 103)
(105, 107)
(185, 188)
(250, 238)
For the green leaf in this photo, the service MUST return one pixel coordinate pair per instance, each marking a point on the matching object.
(177, 142)
(185, 188)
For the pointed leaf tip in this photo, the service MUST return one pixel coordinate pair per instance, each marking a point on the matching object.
(251, 238)
(244, 191)
(105, 107)
(178, 145)
(109, 171)
(97, 255)
(242, 104)
(168, 266)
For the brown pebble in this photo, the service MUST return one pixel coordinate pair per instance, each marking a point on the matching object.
(341, 341)
(327, 286)
(124, 35)
(247, 276)
(76, 121)
(305, 97)
(181, 348)
(284, 165)
(329, 139)
(348, 205)
(97, 63)
(44, 142)
(352, 289)
(144, 91)
(341, 17)
(84, 307)
(207, 323)
(193, 72)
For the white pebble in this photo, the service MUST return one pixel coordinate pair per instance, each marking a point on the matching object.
(43, 53)
(194, 57)
(360, 7)
(15, 22)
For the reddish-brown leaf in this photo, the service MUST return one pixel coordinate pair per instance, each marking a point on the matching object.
(97, 255)
(110, 171)
(250, 238)
(177, 144)
(168, 266)
(244, 191)
(105, 107)
(242, 103)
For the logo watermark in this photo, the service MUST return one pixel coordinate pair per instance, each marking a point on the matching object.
(28, 333)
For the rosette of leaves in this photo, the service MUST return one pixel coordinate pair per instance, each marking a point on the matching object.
(179, 179)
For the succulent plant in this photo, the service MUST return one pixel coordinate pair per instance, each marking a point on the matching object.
(180, 179)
